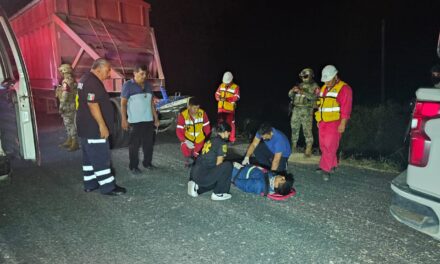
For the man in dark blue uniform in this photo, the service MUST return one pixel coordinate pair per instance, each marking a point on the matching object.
(94, 123)
(210, 171)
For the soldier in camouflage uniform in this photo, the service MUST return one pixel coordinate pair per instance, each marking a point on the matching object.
(66, 93)
(303, 98)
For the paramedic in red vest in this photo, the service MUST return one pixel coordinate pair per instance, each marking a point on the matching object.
(192, 128)
(228, 93)
(334, 109)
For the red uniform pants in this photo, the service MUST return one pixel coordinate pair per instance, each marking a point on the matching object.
(328, 144)
(230, 119)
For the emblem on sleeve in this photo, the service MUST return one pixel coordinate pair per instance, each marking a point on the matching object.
(90, 97)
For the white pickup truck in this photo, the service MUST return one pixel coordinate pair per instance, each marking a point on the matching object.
(416, 200)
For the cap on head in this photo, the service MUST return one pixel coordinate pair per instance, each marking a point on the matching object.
(227, 77)
(65, 68)
(328, 73)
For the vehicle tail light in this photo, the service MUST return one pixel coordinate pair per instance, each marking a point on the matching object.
(420, 142)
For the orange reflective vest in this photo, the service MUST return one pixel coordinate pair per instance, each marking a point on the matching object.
(328, 107)
(229, 94)
(194, 126)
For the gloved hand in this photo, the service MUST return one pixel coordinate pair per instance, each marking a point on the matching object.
(245, 161)
(189, 144)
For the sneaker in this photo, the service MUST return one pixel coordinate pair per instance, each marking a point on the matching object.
(220, 196)
(192, 189)
(135, 171)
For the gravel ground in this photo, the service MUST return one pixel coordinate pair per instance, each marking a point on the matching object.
(45, 217)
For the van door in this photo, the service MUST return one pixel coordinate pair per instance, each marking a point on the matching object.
(17, 117)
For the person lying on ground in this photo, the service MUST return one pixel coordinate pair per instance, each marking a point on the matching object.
(255, 179)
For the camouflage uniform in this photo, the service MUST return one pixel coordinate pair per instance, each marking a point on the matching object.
(66, 93)
(302, 115)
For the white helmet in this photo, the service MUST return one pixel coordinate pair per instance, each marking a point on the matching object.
(227, 77)
(328, 73)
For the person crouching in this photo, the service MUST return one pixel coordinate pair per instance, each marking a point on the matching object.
(211, 171)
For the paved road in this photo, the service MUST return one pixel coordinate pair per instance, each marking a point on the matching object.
(45, 217)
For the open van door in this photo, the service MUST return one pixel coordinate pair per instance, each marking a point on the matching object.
(18, 130)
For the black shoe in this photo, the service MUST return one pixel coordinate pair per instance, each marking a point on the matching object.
(318, 170)
(118, 190)
(91, 190)
(135, 171)
(149, 166)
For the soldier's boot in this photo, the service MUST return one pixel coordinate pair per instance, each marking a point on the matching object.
(67, 143)
(308, 152)
(74, 145)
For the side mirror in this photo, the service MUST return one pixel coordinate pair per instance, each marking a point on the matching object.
(7, 84)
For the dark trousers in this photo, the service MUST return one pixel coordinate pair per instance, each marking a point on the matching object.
(141, 134)
(217, 179)
(96, 165)
(264, 157)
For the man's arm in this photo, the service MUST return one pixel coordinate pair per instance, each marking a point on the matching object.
(276, 161)
(345, 99)
(95, 110)
(206, 125)
(124, 122)
(155, 116)
(252, 147)
(180, 128)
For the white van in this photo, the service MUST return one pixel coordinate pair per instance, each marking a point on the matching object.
(18, 130)
(416, 200)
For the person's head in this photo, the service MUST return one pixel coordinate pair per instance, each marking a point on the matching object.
(306, 75)
(329, 76)
(283, 183)
(193, 105)
(223, 130)
(101, 68)
(140, 72)
(435, 74)
(265, 131)
(65, 69)
(227, 77)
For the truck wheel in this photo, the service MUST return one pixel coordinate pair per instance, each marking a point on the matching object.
(119, 138)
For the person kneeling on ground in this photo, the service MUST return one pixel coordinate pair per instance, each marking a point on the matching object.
(210, 171)
(270, 147)
(255, 179)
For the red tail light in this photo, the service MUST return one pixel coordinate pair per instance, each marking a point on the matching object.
(420, 142)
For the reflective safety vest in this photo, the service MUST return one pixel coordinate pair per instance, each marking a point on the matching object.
(227, 92)
(194, 126)
(328, 107)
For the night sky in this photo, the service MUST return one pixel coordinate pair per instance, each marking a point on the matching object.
(266, 43)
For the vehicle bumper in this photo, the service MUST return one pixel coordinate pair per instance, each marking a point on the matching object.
(415, 209)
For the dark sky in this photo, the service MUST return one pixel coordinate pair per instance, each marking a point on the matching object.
(266, 43)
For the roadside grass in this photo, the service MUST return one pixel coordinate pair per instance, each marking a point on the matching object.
(381, 164)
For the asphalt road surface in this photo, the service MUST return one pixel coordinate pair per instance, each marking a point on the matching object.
(45, 217)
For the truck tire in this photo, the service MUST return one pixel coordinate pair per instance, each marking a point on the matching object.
(119, 138)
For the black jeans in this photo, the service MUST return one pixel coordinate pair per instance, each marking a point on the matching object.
(141, 134)
(217, 179)
(264, 157)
